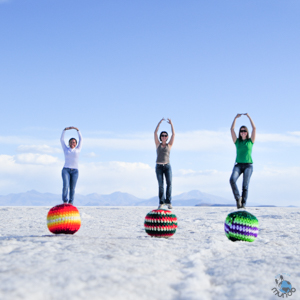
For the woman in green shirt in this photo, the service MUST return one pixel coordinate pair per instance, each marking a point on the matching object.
(244, 163)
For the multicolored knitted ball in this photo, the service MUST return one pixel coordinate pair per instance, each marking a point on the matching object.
(241, 226)
(160, 223)
(63, 218)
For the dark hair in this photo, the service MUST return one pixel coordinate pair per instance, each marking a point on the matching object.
(72, 139)
(162, 133)
(247, 137)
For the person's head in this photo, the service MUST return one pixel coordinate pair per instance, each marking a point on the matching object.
(163, 136)
(72, 143)
(243, 133)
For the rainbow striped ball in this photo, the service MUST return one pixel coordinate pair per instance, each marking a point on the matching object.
(160, 223)
(64, 218)
(241, 226)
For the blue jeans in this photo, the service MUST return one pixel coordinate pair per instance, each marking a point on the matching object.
(69, 177)
(160, 171)
(239, 169)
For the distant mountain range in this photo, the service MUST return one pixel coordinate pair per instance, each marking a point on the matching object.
(192, 198)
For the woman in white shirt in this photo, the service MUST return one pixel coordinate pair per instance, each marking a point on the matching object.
(70, 170)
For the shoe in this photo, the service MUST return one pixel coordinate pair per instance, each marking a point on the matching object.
(170, 206)
(161, 206)
(239, 203)
(243, 205)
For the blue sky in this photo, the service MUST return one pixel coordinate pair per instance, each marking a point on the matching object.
(115, 68)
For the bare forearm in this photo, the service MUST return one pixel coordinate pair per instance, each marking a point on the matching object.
(173, 133)
(233, 124)
(252, 123)
(172, 129)
(157, 127)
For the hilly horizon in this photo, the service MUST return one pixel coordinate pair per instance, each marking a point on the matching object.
(191, 198)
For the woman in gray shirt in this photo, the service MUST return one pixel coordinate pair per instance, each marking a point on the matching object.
(163, 166)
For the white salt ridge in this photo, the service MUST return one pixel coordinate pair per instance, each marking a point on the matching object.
(111, 256)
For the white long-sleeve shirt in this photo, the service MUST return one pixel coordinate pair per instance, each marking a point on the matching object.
(71, 155)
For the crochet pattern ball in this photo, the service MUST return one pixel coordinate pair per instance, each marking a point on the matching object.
(160, 223)
(64, 218)
(241, 226)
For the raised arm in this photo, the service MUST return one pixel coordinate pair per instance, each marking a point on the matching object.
(156, 140)
(253, 134)
(233, 135)
(173, 133)
(79, 139)
(62, 139)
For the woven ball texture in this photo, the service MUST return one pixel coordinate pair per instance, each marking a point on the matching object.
(160, 223)
(64, 218)
(241, 226)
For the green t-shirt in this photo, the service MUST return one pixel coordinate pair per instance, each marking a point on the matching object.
(244, 151)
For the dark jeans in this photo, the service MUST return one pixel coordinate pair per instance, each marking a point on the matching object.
(160, 171)
(69, 177)
(239, 169)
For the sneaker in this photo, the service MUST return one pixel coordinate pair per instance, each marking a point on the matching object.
(239, 203)
(170, 206)
(243, 205)
(161, 206)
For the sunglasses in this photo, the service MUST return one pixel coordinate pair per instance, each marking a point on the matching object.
(163, 135)
(243, 131)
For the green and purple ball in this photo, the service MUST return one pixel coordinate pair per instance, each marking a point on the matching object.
(241, 226)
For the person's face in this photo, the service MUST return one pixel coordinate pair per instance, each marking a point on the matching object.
(72, 144)
(164, 137)
(243, 133)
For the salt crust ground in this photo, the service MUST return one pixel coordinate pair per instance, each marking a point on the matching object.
(111, 257)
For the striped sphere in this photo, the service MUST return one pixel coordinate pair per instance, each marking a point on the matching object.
(63, 218)
(160, 223)
(241, 226)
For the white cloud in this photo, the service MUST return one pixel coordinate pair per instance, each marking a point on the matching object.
(103, 178)
(91, 154)
(118, 143)
(35, 158)
(18, 177)
(209, 181)
(137, 179)
(17, 140)
(269, 185)
(292, 138)
(38, 149)
(296, 133)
